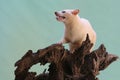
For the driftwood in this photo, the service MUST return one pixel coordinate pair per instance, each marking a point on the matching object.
(80, 65)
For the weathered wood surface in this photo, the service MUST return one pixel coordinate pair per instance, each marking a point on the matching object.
(80, 65)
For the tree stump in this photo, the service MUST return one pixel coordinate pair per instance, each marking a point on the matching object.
(80, 65)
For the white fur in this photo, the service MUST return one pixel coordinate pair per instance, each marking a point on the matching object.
(76, 29)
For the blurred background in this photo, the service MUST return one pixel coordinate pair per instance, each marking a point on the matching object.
(31, 25)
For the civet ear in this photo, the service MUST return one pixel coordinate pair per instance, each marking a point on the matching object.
(75, 12)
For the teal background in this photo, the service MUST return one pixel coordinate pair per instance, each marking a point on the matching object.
(31, 24)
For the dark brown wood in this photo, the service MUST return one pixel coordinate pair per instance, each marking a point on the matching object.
(80, 65)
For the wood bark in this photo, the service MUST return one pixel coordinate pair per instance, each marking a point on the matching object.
(80, 65)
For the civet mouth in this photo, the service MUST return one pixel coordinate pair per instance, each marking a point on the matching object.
(58, 16)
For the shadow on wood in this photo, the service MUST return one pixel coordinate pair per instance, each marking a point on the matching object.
(80, 65)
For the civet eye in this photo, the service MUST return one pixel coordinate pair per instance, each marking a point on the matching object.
(63, 11)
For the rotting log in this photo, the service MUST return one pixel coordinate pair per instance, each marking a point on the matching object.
(80, 65)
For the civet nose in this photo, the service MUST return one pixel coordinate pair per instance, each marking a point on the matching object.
(55, 13)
